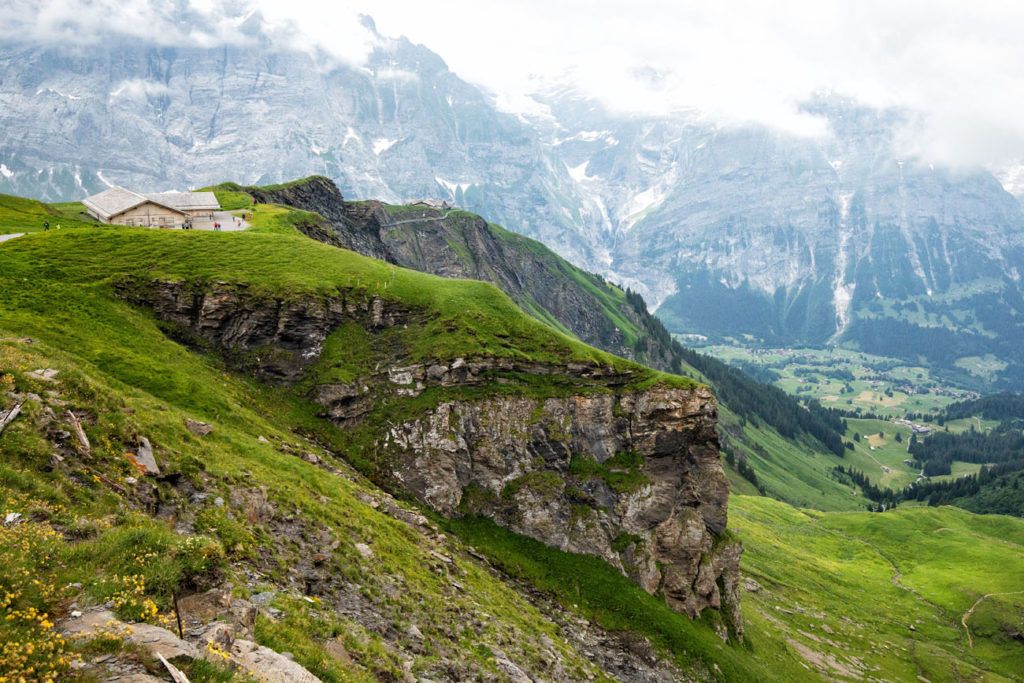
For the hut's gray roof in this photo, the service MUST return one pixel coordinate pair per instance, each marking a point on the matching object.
(113, 201)
(186, 201)
(117, 200)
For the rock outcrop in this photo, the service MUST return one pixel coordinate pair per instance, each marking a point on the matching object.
(633, 477)
(595, 465)
(273, 338)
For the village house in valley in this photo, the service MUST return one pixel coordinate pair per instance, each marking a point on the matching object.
(155, 209)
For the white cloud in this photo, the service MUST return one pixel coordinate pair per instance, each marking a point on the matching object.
(85, 22)
(954, 66)
(393, 74)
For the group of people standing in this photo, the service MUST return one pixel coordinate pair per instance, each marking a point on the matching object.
(217, 226)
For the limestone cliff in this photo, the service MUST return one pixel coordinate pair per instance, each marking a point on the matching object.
(633, 477)
(600, 464)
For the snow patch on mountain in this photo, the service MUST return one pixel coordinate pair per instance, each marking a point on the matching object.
(350, 134)
(842, 291)
(54, 91)
(579, 173)
(381, 145)
(452, 187)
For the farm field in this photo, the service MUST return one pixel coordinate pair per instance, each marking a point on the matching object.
(846, 379)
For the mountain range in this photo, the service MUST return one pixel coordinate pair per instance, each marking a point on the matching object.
(728, 232)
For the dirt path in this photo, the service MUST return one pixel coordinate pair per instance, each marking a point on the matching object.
(11, 236)
(967, 615)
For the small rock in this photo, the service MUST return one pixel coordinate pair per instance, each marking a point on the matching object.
(262, 439)
(76, 613)
(311, 458)
(414, 632)
(364, 550)
(750, 585)
(198, 428)
(263, 598)
(514, 673)
(131, 481)
(11, 518)
(336, 650)
(144, 459)
(913, 628)
(45, 374)
(218, 501)
(273, 667)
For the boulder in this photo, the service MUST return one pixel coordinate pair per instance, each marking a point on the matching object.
(143, 458)
(198, 428)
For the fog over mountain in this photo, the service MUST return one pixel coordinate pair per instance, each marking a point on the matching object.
(816, 226)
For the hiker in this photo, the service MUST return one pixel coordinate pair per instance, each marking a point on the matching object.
(46, 225)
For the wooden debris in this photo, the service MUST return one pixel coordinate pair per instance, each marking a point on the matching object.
(76, 425)
(176, 675)
(9, 417)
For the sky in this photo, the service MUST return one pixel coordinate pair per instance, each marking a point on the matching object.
(955, 67)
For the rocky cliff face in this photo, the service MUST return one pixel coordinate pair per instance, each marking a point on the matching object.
(276, 340)
(633, 478)
(630, 475)
(463, 245)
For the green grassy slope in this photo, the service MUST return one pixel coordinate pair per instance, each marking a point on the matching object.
(797, 471)
(883, 596)
(18, 214)
(126, 379)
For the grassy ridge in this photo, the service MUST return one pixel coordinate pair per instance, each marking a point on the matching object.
(474, 318)
(18, 214)
(831, 604)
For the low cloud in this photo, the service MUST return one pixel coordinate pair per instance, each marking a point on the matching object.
(953, 67)
(87, 22)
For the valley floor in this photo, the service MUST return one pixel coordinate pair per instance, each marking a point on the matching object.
(867, 596)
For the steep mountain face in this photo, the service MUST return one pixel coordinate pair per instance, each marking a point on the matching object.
(400, 127)
(744, 232)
